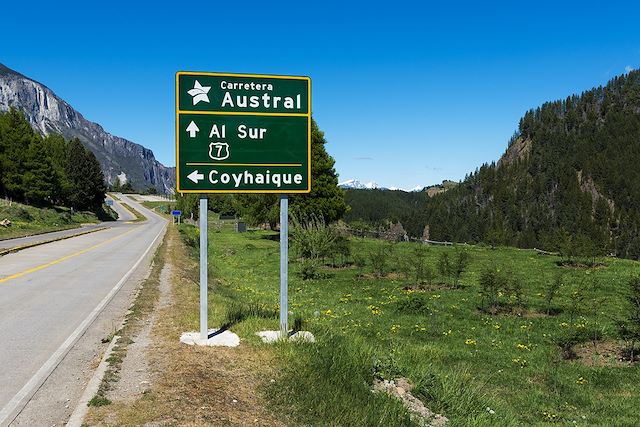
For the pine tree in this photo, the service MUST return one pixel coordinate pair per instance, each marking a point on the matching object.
(258, 209)
(56, 148)
(15, 137)
(85, 177)
(39, 179)
(326, 199)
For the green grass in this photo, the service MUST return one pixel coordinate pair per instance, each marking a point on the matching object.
(461, 360)
(29, 220)
(138, 215)
(162, 207)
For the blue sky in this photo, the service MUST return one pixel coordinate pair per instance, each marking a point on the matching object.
(407, 93)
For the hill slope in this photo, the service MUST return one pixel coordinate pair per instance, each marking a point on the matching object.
(47, 113)
(568, 180)
(569, 174)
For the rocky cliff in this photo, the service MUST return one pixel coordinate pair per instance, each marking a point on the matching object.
(48, 113)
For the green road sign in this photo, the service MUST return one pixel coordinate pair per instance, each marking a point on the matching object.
(243, 133)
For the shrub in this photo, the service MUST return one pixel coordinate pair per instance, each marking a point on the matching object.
(422, 271)
(360, 262)
(404, 265)
(190, 235)
(444, 264)
(490, 285)
(461, 261)
(340, 252)
(309, 269)
(385, 367)
(414, 304)
(576, 302)
(312, 238)
(629, 327)
(551, 291)
(496, 282)
(453, 267)
(513, 287)
(379, 258)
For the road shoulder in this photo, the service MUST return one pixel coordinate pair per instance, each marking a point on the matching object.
(159, 380)
(54, 401)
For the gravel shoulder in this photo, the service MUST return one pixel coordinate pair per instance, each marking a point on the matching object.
(158, 381)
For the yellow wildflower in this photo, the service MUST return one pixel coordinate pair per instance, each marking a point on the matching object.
(520, 362)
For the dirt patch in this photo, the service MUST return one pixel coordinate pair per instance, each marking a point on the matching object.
(604, 353)
(514, 311)
(577, 265)
(136, 376)
(338, 267)
(424, 287)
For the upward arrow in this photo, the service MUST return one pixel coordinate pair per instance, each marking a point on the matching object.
(192, 129)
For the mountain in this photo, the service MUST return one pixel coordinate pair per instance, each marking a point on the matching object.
(355, 184)
(446, 185)
(47, 113)
(377, 208)
(568, 180)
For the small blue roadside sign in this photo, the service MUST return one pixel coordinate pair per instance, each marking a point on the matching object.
(176, 213)
(109, 202)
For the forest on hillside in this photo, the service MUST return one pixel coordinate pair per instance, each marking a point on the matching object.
(569, 178)
(47, 171)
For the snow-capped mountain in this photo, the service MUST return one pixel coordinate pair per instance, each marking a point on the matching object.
(357, 185)
(354, 184)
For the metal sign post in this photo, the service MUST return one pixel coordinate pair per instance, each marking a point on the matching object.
(284, 266)
(243, 133)
(204, 328)
(176, 216)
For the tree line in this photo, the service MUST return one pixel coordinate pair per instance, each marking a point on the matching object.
(569, 178)
(47, 171)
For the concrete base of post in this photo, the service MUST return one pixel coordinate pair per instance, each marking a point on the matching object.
(274, 336)
(222, 339)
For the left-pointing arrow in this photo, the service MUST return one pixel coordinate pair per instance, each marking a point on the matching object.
(195, 176)
(192, 129)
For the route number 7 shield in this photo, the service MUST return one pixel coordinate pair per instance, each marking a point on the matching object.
(219, 150)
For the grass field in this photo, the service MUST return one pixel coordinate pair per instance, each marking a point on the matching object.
(473, 367)
(138, 215)
(28, 220)
(161, 207)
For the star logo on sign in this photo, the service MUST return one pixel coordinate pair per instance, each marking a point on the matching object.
(199, 93)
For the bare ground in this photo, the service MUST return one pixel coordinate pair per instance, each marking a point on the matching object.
(162, 382)
(136, 375)
(604, 353)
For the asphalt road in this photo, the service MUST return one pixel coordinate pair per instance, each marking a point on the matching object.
(51, 294)
(124, 214)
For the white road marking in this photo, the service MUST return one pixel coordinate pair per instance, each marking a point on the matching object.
(19, 401)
